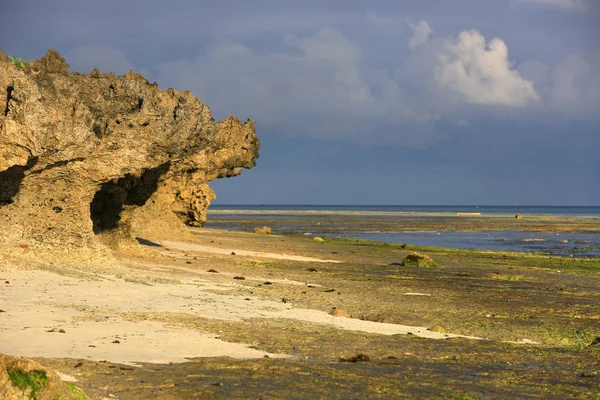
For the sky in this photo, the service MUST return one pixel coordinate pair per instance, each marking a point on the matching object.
(391, 102)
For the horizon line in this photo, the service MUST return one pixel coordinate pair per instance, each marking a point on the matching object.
(398, 205)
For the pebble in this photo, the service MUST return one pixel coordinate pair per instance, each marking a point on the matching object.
(357, 358)
(339, 313)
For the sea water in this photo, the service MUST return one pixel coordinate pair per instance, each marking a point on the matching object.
(561, 244)
(515, 209)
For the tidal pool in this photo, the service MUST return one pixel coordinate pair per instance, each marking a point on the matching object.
(559, 244)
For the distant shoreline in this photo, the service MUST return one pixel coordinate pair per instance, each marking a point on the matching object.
(352, 212)
(430, 211)
(561, 235)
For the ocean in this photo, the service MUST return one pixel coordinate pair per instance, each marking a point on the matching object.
(516, 209)
(301, 219)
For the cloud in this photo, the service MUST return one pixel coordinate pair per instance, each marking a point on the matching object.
(325, 84)
(573, 5)
(576, 86)
(321, 85)
(316, 85)
(329, 46)
(103, 57)
(421, 32)
(308, 74)
(481, 73)
(570, 88)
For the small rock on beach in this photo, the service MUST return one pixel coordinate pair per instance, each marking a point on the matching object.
(263, 230)
(339, 313)
(415, 259)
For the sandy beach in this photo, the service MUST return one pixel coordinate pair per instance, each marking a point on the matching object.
(51, 315)
(237, 301)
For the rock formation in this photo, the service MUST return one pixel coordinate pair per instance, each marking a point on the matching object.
(23, 379)
(84, 156)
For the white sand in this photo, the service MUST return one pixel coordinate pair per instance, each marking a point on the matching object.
(97, 311)
(243, 253)
(65, 377)
(211, 231)
(196, 271)
(35, 302)
(89, 312)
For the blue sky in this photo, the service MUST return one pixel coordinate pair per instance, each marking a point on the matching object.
(379, 102)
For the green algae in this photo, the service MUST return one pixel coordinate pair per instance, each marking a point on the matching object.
(30, 382)
(77, 392)
(18, 62)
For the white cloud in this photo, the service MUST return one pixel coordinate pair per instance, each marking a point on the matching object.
(570, 88)
(421, 32)
(103, 57)
(481, 73)
(312, 73)
(329, 46)
(317, 85)
(323, 85)
(574, 5)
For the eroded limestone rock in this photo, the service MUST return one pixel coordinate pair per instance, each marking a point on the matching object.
(89, 155)
(21, 378)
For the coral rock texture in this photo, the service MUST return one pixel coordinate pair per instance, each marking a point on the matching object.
(44, 385)
(84, 156)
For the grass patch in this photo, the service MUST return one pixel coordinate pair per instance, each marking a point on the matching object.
(510, 278)
(33, 381)
(18, 62)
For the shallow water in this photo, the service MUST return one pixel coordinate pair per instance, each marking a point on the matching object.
(508, 210)
(560, 231)
(562, 244)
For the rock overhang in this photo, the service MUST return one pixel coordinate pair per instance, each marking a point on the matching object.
(82, 154)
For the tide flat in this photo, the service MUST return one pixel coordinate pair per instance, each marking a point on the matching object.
(253, 320)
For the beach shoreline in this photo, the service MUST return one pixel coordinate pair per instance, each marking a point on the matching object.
(237, 301)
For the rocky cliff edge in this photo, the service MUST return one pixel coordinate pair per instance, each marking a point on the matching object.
(88, 161)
